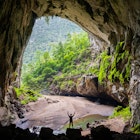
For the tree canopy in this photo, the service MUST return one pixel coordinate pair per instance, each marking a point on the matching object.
(65, 59)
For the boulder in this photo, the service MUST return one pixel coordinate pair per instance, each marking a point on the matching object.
(88, 85)
(45, 133)
(101, 133)
(73, 134)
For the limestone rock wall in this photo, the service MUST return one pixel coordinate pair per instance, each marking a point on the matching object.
(110, 21)
(16, 20)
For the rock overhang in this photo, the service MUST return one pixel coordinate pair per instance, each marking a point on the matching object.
(110, 21)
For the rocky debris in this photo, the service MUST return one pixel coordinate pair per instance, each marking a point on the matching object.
(3, 115)
(103, 133)
(118, 92)
(116, 124)
(12, 110)
(46, 133)
(99, 133)
(73, 134)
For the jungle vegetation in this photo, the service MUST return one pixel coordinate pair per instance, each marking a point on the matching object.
(73, 57)
(65, 59)
(69, 57)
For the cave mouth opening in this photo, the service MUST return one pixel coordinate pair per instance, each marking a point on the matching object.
(79, 12)
(56, 118)
(50, 33)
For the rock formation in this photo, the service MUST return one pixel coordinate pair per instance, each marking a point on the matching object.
(88, 85)
(110, 21)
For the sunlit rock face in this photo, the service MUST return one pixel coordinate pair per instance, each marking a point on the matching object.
(88, 85)
(110, 21)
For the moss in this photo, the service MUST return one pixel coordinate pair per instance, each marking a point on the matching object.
(63, 85)
(115, 67)
(121, 112)
(136, 129)
(94, 70)
(66, 84)
(105, 62)
(121, 58)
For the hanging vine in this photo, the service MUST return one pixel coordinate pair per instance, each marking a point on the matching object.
(115, 67)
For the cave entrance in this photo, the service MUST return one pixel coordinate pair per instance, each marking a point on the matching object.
(103, 19)
(46, 44)
(52, 111)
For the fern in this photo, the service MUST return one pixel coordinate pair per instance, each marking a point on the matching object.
(120, 55)
(119, 111)
(105, 62)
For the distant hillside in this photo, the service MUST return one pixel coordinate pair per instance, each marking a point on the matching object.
(45, 33)
(54, 70)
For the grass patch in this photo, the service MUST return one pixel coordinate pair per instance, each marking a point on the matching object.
(136, 129)
(121, 112)
(81, 122)
(25, 96)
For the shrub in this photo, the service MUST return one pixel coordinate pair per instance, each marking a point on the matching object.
(25, 96)
(63, 58)
(121, 112)
(136, 129)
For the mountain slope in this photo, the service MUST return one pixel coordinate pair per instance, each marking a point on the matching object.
(44, 33)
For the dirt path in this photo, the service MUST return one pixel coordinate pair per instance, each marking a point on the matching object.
(51, 111)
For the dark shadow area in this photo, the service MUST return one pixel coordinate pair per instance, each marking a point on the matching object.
(98, 133)
(101, 100)
(110, 101)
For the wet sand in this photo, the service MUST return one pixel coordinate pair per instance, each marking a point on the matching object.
(51, 111)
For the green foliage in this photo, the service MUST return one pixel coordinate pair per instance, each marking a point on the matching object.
(73, 57)
(105, 62)
(121, 112)
(136, 129)
(66, 84)
(48, 30)
(66, 59)
(115, 67)
(25, 96)
(120, 67)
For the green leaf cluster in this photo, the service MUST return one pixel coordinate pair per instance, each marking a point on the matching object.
(115, 67)
(120, 67)
(121, 112)
(136, 129)
(105, 63)
(25, 96)
(66, 59)
(48, 30)
(72, 58)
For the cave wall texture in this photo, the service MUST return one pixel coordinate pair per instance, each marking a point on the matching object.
(110, 21)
